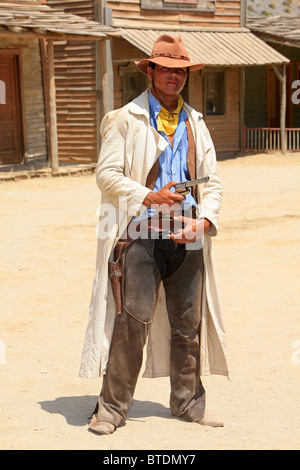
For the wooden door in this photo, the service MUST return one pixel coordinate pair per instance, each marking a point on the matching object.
(10, 110)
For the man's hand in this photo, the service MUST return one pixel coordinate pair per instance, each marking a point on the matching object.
(193, 229)
(163, 200)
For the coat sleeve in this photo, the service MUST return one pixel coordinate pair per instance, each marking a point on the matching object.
(121, 190)
(212, 191)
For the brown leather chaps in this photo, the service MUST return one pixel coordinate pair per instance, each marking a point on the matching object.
(148, 262)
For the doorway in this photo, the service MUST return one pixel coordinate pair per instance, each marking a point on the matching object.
(11, 121)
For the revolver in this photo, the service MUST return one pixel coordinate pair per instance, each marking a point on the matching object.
(184, 187)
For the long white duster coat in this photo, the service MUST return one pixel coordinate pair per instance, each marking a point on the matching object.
(130, 146)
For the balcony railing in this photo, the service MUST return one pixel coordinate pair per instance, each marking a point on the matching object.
(267, 138)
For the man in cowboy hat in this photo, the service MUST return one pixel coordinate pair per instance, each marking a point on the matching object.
(168, 291)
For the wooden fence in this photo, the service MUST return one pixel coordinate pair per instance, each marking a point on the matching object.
(267, 138)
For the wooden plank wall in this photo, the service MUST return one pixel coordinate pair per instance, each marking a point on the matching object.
(34, 102)
(123, 54)
(25, 2)
(75, 78)
(224, 130)
(227, 14)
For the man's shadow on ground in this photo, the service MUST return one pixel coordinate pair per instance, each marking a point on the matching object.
(78, 410)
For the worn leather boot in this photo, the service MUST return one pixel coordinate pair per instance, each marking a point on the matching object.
(101, 427)
(209, 419)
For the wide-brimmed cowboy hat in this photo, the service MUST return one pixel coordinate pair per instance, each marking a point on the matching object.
(168, 52)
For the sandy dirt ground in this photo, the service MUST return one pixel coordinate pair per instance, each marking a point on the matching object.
(47, 252)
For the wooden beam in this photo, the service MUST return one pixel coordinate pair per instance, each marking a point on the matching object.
(283, 110)
(22, 99)
(45, 74)
(71, 36)
(104, 70)
(242, 107)
(106, 77)
(52, 106)
(98, 8)
(277, 72)
(243, 13)
(281, 75)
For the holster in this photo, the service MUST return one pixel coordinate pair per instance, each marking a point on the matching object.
(116, 273)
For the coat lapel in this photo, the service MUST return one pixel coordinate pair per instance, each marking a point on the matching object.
(149, 143)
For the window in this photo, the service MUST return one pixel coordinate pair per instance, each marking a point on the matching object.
(133, 82)
(214, 93)
(192, 5)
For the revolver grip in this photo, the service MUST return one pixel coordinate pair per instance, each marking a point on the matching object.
(184, 192)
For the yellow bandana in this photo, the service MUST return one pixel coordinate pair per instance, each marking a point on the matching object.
(166, 121)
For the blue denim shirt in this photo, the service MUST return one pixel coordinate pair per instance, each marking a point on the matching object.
(173, 160)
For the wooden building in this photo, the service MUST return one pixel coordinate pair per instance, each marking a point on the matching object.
(263, 94)
(27, 82)
(78, 76)
(213, 32)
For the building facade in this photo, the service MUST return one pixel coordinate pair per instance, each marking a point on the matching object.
(23, 120)
(213, 32)
(28, 127)
(92, 76)
(263, 93)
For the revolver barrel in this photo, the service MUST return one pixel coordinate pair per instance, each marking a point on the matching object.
(184, 187)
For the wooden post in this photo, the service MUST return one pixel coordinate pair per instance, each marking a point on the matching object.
(45, 74)
(243, 14)
(282, 79)
(52, 106)
(99, 112)
(283, 109)
(106, 78)
(104, 84)
(104, 69)
(242, 109)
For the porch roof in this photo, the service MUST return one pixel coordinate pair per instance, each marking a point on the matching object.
(213, 47)
(278, 29)
(42, 21)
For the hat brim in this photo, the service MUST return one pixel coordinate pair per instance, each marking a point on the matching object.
(167, 62)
